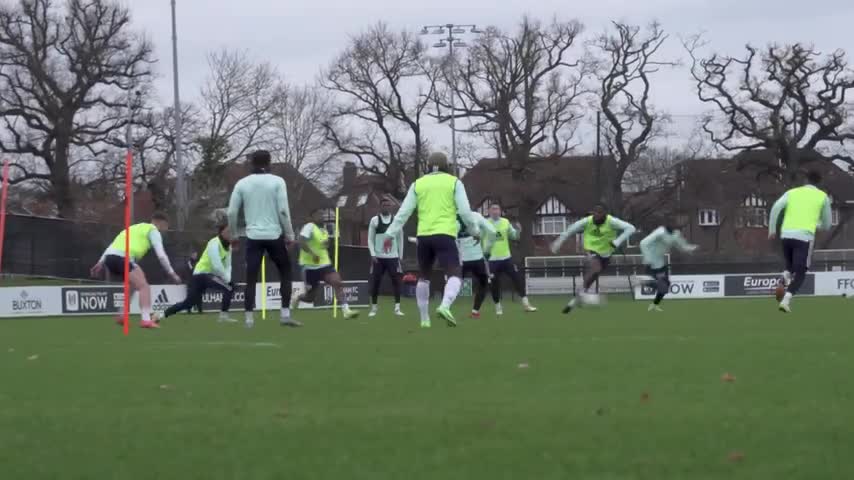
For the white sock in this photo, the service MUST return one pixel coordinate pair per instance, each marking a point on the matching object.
(422, 296)
(146, 315)
(452, 289)
(375, 308)
(787, 277)
(525, 301)
(498, 306)
(286, 313)
(250, 317)
(223, 314)
(787, 298)
(396, 307)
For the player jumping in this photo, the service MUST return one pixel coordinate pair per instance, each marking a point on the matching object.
(317, 267)
(384, 261)
(807, 209)
(212, 271)
(654, 249)
(143, 237)
(600, 242)
(439, 198)
(501, 260)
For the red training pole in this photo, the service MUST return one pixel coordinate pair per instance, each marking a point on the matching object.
(128, 193)
(3, 209)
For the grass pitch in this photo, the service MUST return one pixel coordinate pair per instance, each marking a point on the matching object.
(612, 393)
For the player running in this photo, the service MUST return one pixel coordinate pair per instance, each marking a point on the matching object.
(474, 263)
(143, 237)
(317, 267)
(385, 261)
(654, 249)
(600, 242)
(439, 198)
(212, 271)
(501, 260)
(263, 198)
(807, 209)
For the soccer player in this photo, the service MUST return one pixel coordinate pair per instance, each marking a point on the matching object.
(439, 198)
(191, 267)
(143, 237)
(317, 267)
(501, 260)
(385, 261)
(263, 198)
(654, 249)
(212, 271)
(474, 263)
(600, 242)
(807, 209)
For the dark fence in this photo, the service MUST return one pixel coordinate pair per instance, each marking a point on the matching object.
(47, 247)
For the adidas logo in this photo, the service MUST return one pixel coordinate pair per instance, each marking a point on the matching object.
(162, 297)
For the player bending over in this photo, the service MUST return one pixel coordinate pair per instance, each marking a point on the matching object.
(501, 260)
(807, 209)
(654, 249)
(439, 198)
(143, 237)
(600, 242)
(385, 261)
(314, 260)
(474, 263)
(212, 271)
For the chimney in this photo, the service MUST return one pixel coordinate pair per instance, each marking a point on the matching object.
(350, 172)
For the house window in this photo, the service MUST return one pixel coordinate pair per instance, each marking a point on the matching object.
(342, 201)
(550, 225)
(363, 199)
(552, 206)
(834, 216)
(708, 218)
(753, 212)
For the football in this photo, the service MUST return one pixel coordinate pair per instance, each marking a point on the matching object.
(780, 292)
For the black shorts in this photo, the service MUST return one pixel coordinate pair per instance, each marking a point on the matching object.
(476, 268)
(659, 273)
(116, 265)
(386, 265)
(604, 261)
(798, 254)
(505, 266)
(437, 248)
(314, 276)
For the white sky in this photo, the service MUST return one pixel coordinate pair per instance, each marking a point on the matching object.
(300, 37)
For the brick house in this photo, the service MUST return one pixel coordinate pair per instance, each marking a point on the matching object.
(724, 204)
(545, 197)
(358, 201)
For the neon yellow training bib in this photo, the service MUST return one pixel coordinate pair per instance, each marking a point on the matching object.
(318, 243)
(437, 205)
(803, 209)
(598, 238)
(140, 244)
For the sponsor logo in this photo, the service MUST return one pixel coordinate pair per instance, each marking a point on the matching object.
(26, 303)
(760, 285)
(72, 301)
(712, 287)
(682, 287)
(845, 284)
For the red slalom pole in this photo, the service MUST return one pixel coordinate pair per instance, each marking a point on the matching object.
(128, 199)
(3, 209)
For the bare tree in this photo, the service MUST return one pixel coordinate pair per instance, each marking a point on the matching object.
(238, 103)
(626, 58)
(299, 135)
(522, 93)
(787, 99)
(65, 76)
(383, 86)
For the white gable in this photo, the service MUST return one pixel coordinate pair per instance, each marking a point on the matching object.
(552, 206)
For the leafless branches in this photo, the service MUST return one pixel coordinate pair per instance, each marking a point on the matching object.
(787, 99)
(625, 60)
(382, 87)
(65, 76)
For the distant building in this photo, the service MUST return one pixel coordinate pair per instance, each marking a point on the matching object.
(358, 200)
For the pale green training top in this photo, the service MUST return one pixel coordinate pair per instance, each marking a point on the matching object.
(263, 197)
(471, 247)
(655, 246)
